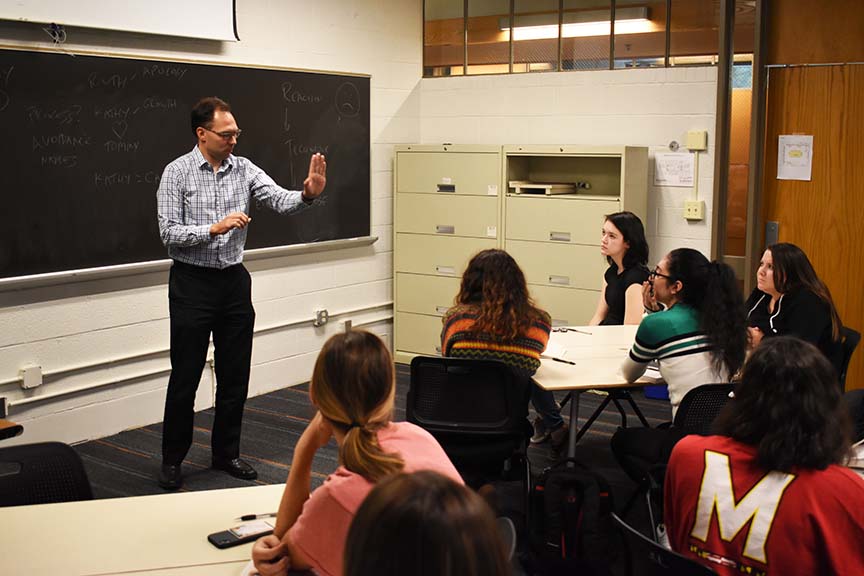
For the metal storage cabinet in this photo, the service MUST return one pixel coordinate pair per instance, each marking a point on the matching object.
(447, 208)
(453, 201)
(556, 238)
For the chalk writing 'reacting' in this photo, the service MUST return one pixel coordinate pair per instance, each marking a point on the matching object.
(297, 96)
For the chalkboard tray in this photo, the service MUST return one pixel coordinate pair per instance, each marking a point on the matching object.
(86, 139)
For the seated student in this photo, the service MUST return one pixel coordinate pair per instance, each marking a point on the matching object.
(626, 250)
(353, 388)
(770, 494)
(424, 524)
(700, 338)
(495, 319)
(791, 300)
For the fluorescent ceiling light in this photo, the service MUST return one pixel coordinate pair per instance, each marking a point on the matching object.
(579, 24)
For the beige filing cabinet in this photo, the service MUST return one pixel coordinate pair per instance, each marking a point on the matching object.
(447, 207)
(555, 237)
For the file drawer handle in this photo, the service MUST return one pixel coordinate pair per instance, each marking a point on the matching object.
(447, 188)
(445, 270)
(559, 236)
(442, 309)
(445, 229)
(560, 280)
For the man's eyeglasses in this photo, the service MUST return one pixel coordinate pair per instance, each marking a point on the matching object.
(225, 135)
(654, 273)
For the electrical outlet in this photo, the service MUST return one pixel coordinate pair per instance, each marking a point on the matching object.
(31, 376)
(321, 318)
(694, 210)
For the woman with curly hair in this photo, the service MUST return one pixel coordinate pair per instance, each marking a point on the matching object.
(700, 338)
(791, 300)
(494, 318)
(770, 494)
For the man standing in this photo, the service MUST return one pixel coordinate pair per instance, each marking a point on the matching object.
(203, 205)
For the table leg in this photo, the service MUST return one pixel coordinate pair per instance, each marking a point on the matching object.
(574, 423)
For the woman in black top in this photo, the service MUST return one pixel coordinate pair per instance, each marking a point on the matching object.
(791, 300)
(626, 250)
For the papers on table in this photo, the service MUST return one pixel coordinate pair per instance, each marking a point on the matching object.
(554, 350)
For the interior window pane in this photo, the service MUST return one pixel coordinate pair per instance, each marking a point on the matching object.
(694, 32)
(640, 33)
(585, 35)
(443, 37)
(488, 36)
(535, 37)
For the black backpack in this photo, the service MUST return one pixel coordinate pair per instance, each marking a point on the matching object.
(570, 517)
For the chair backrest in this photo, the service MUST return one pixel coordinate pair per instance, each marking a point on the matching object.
(41, 474)
(467, 397)
(849, 341)
(700, 406)
(648, 558)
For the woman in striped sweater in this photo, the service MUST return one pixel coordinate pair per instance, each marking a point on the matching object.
(495, 319)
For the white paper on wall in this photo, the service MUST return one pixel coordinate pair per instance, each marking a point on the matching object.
(794, 157)
(675, 169)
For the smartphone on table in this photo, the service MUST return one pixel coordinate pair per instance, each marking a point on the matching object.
(242, 533)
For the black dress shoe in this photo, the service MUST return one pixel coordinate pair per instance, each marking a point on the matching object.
(169, 477)
(237, 468)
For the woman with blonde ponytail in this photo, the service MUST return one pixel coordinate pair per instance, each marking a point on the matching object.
(353, 388)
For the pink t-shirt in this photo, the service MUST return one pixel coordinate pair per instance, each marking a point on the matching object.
(322, 528)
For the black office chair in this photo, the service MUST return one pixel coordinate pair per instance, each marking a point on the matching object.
(42, 473)
(476, 409)
(648, 558)
(699, 408)
(854, 400)
(849, 340)
(695, 415)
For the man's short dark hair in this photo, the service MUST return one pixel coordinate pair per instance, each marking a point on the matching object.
(203, 110)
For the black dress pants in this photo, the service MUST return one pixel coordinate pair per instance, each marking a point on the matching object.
(201, 301)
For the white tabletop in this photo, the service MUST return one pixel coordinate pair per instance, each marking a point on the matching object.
(597, 353)
(163, 534)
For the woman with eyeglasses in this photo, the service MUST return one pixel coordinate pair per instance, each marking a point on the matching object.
(791, 300)
(699, 338)
(626, 250)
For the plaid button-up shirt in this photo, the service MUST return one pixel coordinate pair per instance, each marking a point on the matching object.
(192, 197)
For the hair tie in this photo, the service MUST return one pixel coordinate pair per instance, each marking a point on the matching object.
(353, 425)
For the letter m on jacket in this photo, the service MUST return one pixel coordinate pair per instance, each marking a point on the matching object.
(758, 506)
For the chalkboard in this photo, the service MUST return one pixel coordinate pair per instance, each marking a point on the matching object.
(85, 140)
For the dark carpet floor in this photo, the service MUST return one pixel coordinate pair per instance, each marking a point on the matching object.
(126, 464)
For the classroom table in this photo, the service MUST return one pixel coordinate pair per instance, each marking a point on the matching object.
(596, 353)
(157, 535)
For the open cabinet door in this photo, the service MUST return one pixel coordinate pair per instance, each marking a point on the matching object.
(824, 216)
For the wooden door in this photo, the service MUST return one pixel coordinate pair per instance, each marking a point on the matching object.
(824, 216)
